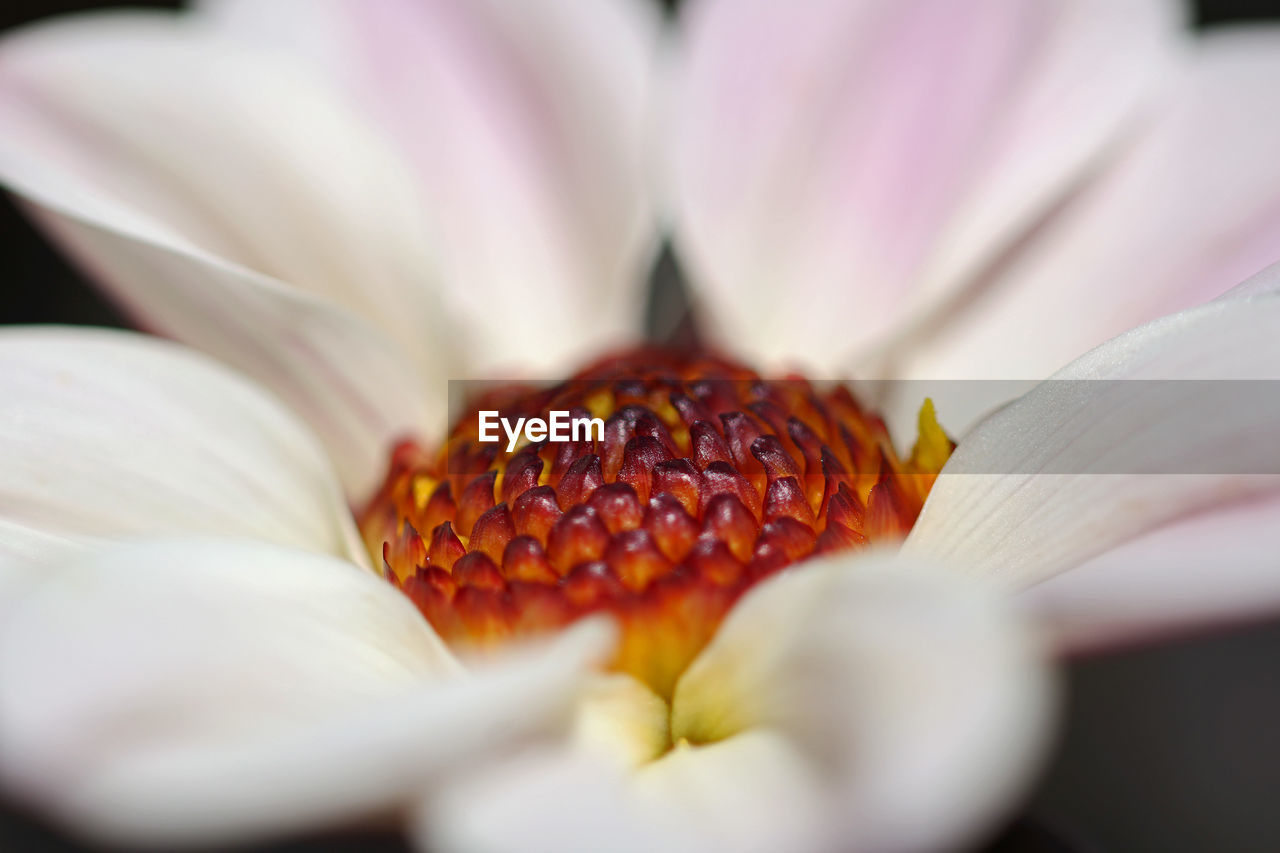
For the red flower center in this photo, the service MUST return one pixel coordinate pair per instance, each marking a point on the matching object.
(707, 479)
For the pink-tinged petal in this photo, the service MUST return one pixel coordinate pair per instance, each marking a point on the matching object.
(210, 692)
(838, 168)
(528, 125)
(1215, 567)
(1141, 430)
(107, 435)
(1191, 209)
(845, 705)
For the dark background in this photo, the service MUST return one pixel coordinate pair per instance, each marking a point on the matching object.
(1170, 749)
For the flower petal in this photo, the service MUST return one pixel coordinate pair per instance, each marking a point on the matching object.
(197, 180)
(620, 716)
(1088, 460)
(1217, 566)
(744, 794)
(209, 691)
(895, 682)
(234, 151)
(840, 167)
(528, 124)
(1191, 209)
(843, 705)
(111, 434)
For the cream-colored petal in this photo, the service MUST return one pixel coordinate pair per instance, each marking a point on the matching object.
(1214, 567)
(840, 168)
(528, 125)
(208, 691)
(1137, 432)
(622, 717)
(1191, 209)
(228, 201)
(111, 434)
(846, 705)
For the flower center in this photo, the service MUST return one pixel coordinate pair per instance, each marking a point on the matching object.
(705, 479)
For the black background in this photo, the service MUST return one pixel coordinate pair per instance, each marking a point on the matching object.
(1170, 749)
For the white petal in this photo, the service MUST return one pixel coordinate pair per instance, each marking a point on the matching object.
(208, 692)
(1091, 458)
(528, 126)
(1191, 209)
(112, 434)
(852, 705)
(750, 793)
(234, 152)
(19, 559)
(229, 202)
(839, 167)
(1214, 567)
(358, 394)
(899, 685)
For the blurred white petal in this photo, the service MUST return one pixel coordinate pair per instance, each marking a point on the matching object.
(201, 691)
(1091, 458)
(229, 202)
(25, 548)
(358, 393)
(528, 123)
(896, 683)
(750, 793)
(226, 148)
(111, 434)
(1192, 209)
(1218, 566)
(839, 168)
(853, 706)
(23, 559)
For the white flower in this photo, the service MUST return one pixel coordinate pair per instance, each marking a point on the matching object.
(350, 202)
